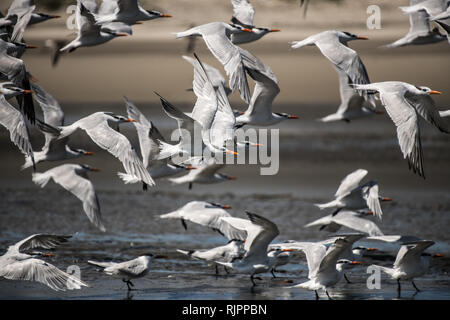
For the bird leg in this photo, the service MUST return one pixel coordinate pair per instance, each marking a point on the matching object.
(144, 186)
(217, 270)
(346, 279)
(415, 287)
(317, 295)
(398, 287)
(252, 277)
(273, 272)
(190, 185)
(184, 224)
(129, 284)
(226, 270)
(328, 295)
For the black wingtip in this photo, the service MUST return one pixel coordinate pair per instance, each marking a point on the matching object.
(144, 186)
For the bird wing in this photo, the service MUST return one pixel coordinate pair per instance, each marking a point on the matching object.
(228, 54)
(148, 134)
(350, 182)
(107, 7)
(350, 220)
(53, 114)
(86, 21)
(213, 74)
(222, 128)
(21, 24)
(426, 107)
(350, 99)
(43, 272)
(419, 23)
(370, 194)
(243, 13)
(83, 189)
(40, 240)
(17, 7)
(411, 252)
(405, 119)
(91, 5)
(335, 250)
(128, 6)
(13, 120)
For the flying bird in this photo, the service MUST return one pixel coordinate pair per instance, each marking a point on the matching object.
(73, 178)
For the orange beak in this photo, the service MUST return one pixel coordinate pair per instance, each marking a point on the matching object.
(438, 255)
(247, 30)
(356, 262)
(138, 22)
(28, 91)
(293, 117)
(370, 213)
(55, 16)
(89, 153)
(30, 46)
(190, 168)
(121, 34)
(232, 152)
(386, 199)
(362, 38)
(166, 16)
(130, 120)
(372, 249)
(241, 113)
(48, 254)
(287, 250)
(95, 169)
(226, 206)
(231, 178)
(435, 92)
(274, 30)
(257, 145)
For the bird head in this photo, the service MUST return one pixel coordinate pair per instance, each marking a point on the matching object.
(422, 90)
(235, 28)
(157, 14)
(345, 36)
(87, 167)
(286, 115)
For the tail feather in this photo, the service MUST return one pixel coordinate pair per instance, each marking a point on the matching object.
(171, 215)
(41, 179)
(322, 206)
(387, 270)
(128, 178)
(28, 163)
(101, 264)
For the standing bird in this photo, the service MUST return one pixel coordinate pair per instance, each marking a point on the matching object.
(14, 122)
(127, 11)
(133, 269)
(404, 102)
(325, 267)
(411, 262)
(333, 45)
(227, 253)
(351, 196)
(14, 70)
(259, 111)
(205, 173)
(215, 35)
(207, 214)
(73, 178)
(419, 30)
(89, 33)
(243, 16)
(54, 149)
(96, 126)
(15, 264)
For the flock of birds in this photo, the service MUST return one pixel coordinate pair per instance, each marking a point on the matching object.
(250, 249)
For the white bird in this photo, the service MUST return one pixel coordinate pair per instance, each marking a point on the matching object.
(15, 71)
(353, 106)
(333, 45)
(259, 111)
(207, 214)
(89, 33)
(10, 90)
(74, 178)
(260, 232)
(411, 262)
(54, 149)
(18, 8)
(132, 269)
(404, 102)
(351, 196)
(214, 75)
(96, 126)
(419, 30)
(432, 7)
(14, 122)
(243, 16)
(227, 253)
(325, 267)
(126, 11)
(282, 257)
(149, 138)
(205, 173)
(350, 219)
(215, 35)
(211, 117)
(15, 264)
